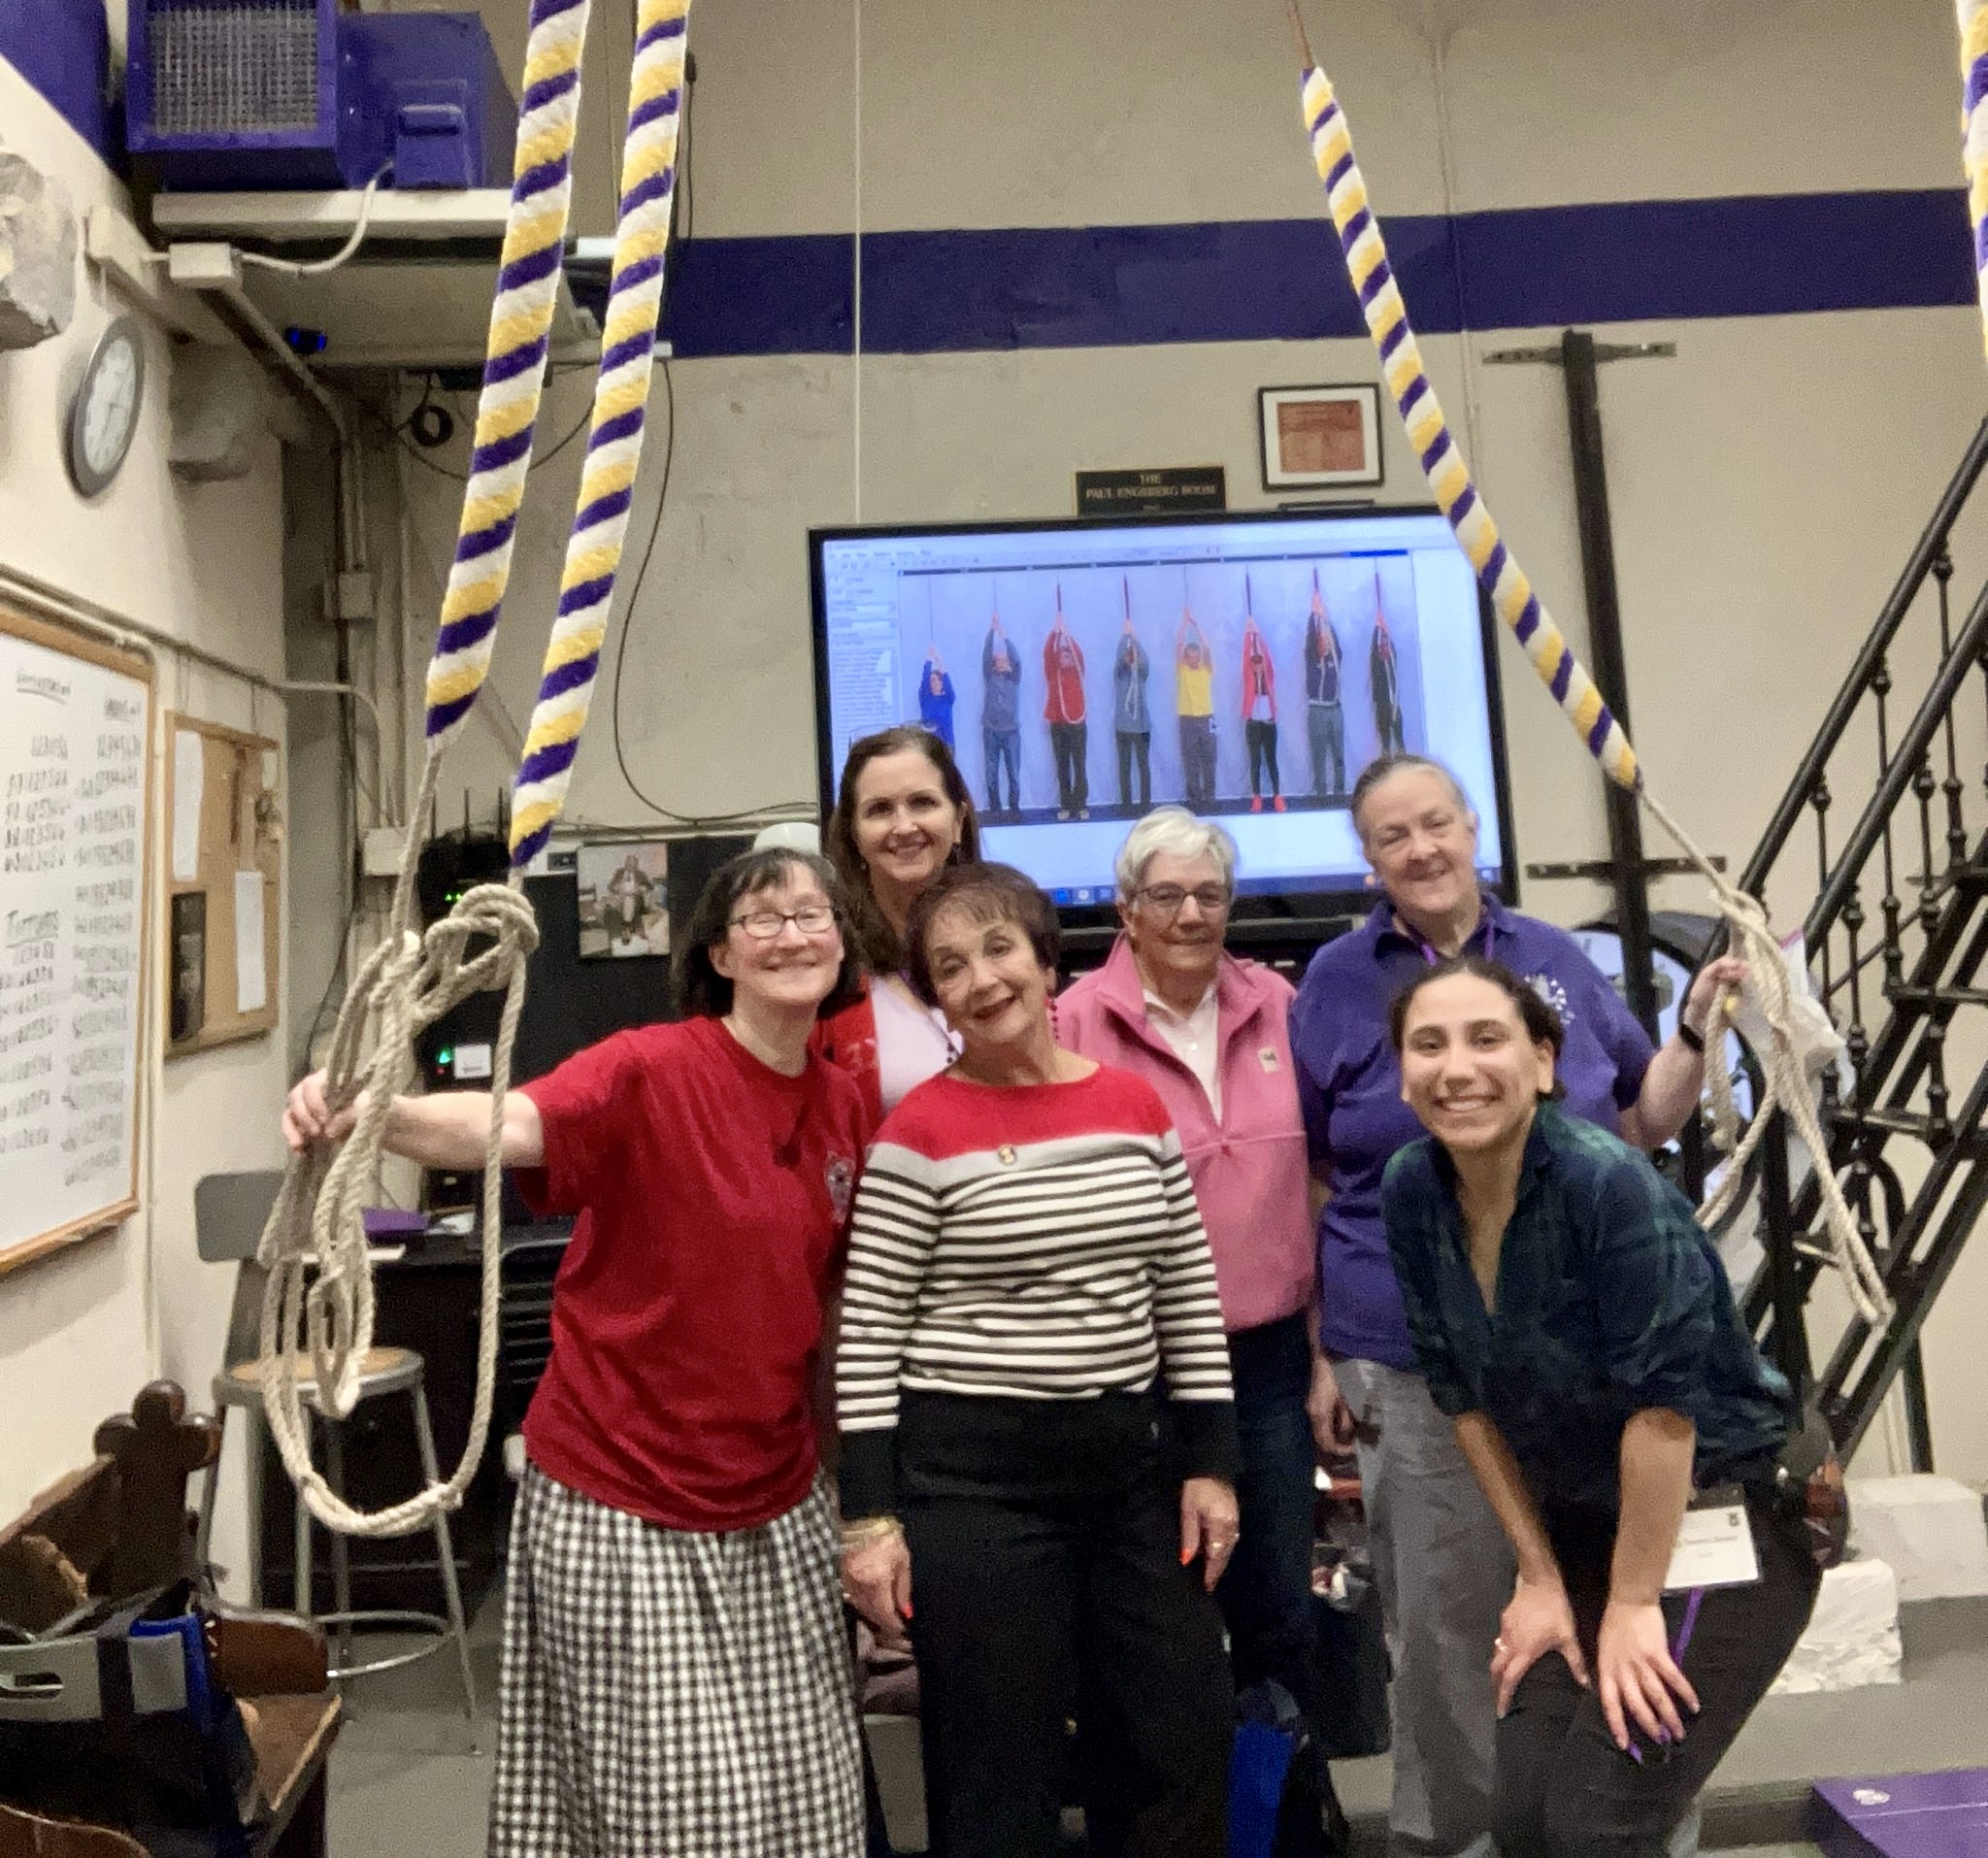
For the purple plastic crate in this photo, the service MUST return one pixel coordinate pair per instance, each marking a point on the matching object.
(425, 92)
(268, 94)
(1942, 1816)
(234, 93)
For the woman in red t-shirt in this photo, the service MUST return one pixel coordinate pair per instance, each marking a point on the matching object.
(675, 1674)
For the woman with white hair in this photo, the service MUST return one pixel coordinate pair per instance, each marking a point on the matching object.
(1208, 1032)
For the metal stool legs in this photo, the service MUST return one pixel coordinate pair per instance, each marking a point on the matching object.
(203, 1535)
(341, 1549)
(446, 1550)
(345, 1618)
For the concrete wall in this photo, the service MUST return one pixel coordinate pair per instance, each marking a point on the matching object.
(1766, 483)
(81, 1333)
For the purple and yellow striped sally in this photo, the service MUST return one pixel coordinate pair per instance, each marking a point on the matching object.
(514, 369)
(613, 454)
(1498, 572)
(1973, 22)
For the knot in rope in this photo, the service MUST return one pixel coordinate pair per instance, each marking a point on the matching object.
(318, 1303)
(1801, 1042)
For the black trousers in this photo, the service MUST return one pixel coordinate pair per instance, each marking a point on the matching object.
(1047, 1579)
(1069, 741)
(1262, 740)
(1134, 744)
(1197, 760)
(1563, 1789)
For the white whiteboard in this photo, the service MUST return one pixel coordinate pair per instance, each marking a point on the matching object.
(75, 751)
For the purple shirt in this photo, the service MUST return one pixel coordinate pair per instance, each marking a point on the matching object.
(1349, 1087)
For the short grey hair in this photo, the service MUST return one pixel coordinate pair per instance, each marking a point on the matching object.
(1178, 832)
(1385, 768)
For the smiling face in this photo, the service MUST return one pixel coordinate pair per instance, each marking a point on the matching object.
(992, 990)
(1421, 841)
(1470, 1069)
(791, 970)
(1183, 941)
(904, 825)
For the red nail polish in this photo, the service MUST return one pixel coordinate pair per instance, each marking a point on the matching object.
(1186, 1555)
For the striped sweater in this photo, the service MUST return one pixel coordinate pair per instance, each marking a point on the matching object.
(1038, 1243)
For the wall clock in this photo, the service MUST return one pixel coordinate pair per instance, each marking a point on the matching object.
(103, 417)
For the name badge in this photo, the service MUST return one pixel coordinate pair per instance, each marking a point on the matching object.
(1715, 1546)
(1268, 1058)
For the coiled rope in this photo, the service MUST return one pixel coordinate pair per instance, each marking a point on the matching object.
(1519, 607)
(317, 1308)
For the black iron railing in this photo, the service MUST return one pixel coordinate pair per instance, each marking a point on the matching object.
(1915, 1167)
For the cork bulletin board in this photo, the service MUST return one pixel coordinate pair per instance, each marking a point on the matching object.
(222, 920)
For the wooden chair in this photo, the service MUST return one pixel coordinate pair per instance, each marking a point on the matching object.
(119, 1528)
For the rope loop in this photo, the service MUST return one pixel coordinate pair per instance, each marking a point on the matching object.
(317, 1305)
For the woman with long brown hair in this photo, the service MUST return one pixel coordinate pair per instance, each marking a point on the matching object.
(901, 816)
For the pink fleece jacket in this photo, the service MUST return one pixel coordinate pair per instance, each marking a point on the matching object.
(1249, 1170)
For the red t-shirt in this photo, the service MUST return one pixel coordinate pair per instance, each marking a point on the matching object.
(713, 1197)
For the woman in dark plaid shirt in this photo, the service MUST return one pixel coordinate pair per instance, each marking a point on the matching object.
(1577, 1325)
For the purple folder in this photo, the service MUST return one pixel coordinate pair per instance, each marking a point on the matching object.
(1903, 1816)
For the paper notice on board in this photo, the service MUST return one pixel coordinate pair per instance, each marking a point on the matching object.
(189, 772)
(251, 980)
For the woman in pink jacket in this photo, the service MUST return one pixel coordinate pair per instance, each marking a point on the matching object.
(1208, 1032)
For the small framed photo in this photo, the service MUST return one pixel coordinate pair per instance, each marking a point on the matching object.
(624, 900)
(1319, 438)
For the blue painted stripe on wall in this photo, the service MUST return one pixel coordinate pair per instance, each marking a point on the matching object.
(1282, 279)
(1778, 255)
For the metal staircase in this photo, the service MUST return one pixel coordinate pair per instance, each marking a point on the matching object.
(1896, 938)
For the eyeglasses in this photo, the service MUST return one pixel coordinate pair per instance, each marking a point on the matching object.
(763, 925)
(1212, 899)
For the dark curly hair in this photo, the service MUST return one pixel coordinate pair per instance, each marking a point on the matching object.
(874, 938)
(1541, 1023)
(702, 992)
(987, 893)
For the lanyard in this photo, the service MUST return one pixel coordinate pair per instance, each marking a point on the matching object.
(1432, 956)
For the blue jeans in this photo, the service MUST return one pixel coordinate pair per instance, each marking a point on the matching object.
(1002, 746)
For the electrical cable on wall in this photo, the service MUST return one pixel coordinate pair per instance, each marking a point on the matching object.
(317, 268)
(683, 208)
(856, 266)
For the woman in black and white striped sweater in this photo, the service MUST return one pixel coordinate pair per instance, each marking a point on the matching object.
(1037, 1434)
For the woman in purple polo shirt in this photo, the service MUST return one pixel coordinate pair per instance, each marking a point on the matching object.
(1445, 1570)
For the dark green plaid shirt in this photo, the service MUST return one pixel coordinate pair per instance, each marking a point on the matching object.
(1610, 1300)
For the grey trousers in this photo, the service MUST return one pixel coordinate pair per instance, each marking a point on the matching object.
(1445, 1572)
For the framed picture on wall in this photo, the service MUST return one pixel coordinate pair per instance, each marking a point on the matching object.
(1319, 438)
(624, 902)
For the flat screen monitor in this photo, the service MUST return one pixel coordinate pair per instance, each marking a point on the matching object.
(1247, 665)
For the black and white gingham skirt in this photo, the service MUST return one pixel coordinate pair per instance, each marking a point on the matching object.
(667, 1694)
